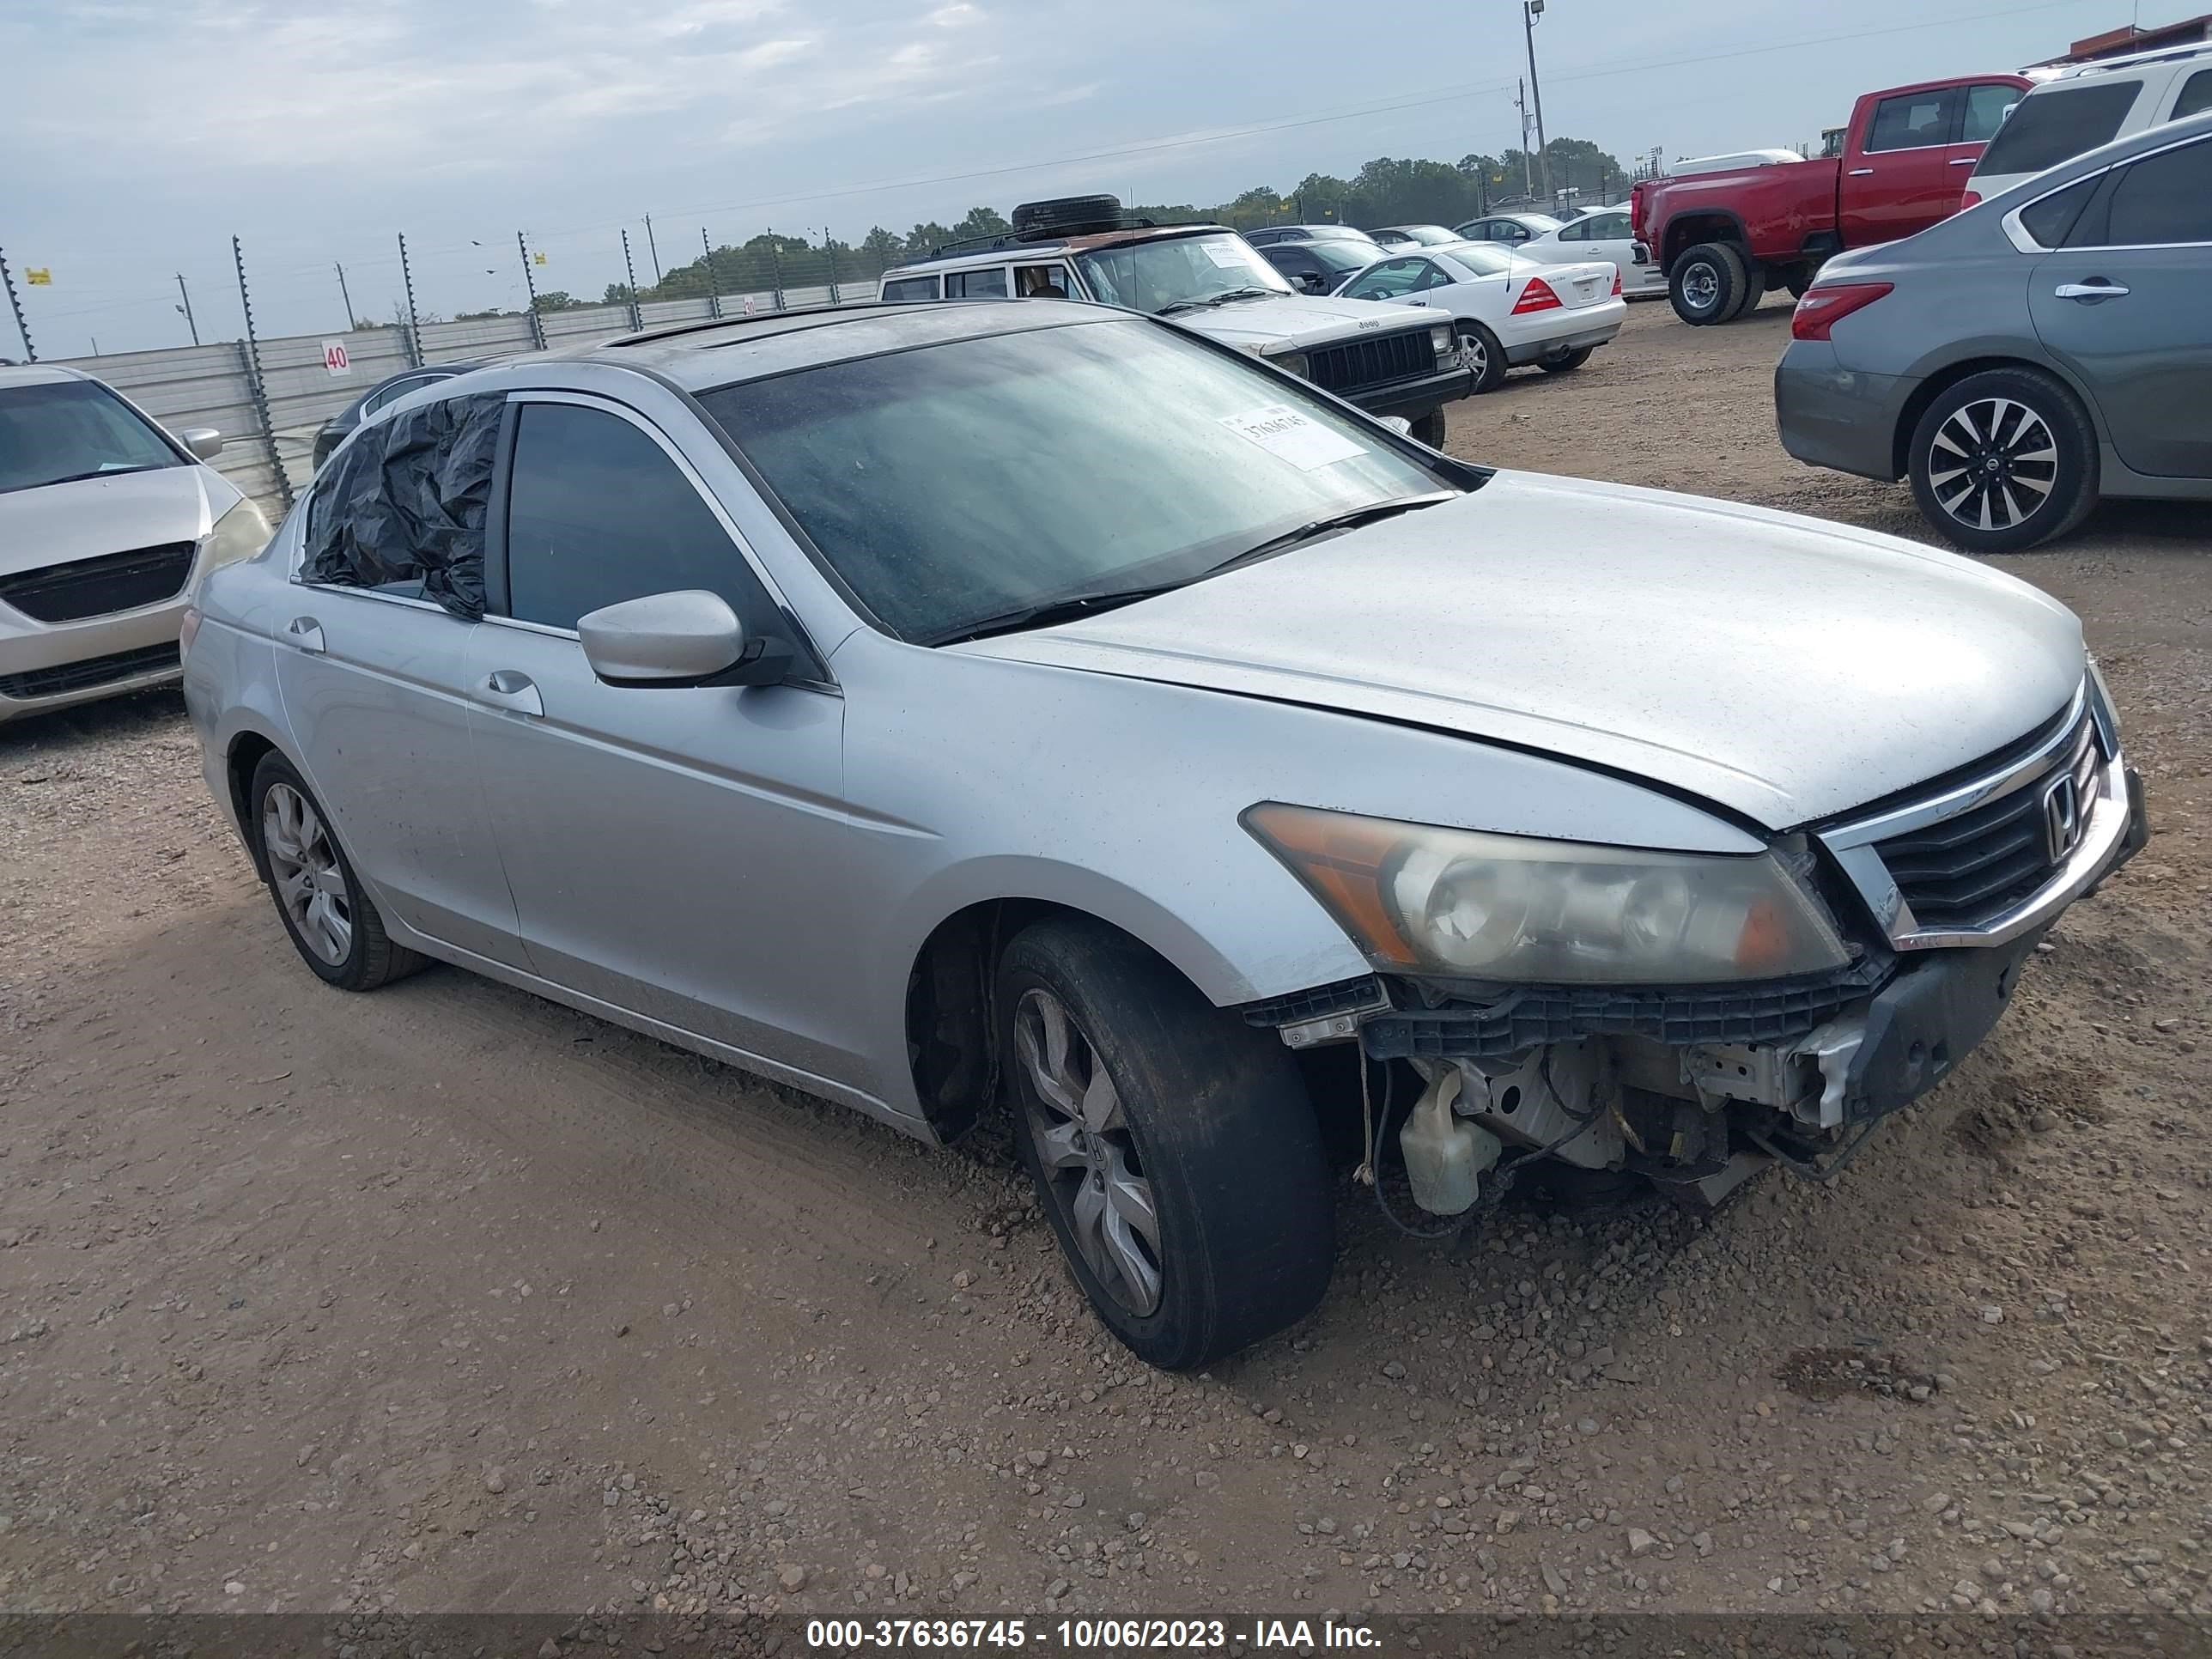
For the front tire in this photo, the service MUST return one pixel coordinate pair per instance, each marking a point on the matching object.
(1567, 362)
(2004, 461)
(1172, 1146)
(1480, 351)
(1706, 284)
(332, 922)
(1429, 430)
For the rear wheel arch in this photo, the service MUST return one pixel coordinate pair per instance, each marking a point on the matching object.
(1940, 380)
(1685, 230)
(240, 761)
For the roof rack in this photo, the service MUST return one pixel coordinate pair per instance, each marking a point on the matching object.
(2129, 60)
(648, 335)
(1029, 240)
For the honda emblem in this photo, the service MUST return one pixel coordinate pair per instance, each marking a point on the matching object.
(2061, 818)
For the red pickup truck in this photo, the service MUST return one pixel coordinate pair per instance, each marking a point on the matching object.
(1725, 237)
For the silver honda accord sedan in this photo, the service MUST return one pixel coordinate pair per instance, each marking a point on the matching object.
(934, 707)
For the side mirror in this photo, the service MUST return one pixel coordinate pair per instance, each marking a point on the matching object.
(691, 637)
(203, 442)
(1312, 283)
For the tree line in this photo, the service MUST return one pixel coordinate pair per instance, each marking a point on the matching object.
(1385, 191)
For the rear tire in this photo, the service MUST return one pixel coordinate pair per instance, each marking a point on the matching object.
(1754, 289)
(332, 922)
(1480, 350)
(1429, 430)
(2043, 447)
(1706, 283)
(1800, 278)
(1567, 362)
(1188, 1185)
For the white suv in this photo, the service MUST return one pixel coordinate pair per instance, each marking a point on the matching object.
(1391, 361)
(2086, 105)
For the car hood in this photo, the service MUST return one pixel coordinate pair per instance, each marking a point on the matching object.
(1785, 669)
(93, 516)
(1294, 320)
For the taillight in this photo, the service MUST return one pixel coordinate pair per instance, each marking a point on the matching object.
(1537, 296)
(1616, 282)
(1822, 309)
(1972, 198)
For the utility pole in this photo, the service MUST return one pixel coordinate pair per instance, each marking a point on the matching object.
(1530, 11)
(351, 322)
(15, 304)
(652, 250)
(186, 294)
(1528, 160)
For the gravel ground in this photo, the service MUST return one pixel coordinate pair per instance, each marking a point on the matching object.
(449, 1298)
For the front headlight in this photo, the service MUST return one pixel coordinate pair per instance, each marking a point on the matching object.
(239, 534)
(1441, 338)
(1471, 905)
(1291, 362)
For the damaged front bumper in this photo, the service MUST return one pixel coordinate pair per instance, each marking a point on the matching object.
(1685, 1082)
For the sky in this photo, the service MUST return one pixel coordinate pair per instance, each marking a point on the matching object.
(138, 139)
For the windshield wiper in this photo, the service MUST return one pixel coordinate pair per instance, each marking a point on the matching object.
(1351, 519)
(102, 472)
(1075, 605)
(1253, 292)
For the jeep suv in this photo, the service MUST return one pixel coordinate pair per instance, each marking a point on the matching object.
(1389, 360)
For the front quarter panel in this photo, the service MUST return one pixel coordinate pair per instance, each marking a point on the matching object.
(972, 778)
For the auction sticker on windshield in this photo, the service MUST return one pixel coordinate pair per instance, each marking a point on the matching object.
(1282, 431)
(1230, 256)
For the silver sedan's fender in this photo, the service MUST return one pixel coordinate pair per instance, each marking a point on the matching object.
(970, 779)
(230, 672)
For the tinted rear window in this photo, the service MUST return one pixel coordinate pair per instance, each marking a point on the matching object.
(2196, 95)
(2162, 200)
(2049, 220)
(2058, 125)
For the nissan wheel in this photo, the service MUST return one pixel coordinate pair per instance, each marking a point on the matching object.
(2003, 460)
(1173, 1146)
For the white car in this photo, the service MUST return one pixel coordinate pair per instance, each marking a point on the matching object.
(1510, 313)
(1600, 233)
(1511, 229)
(2086, 105)
(106, 522)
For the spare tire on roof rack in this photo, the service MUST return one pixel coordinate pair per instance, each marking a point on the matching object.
(1069, 216)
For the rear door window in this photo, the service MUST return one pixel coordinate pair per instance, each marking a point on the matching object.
(976, 284)
(1985, 111)
(1912, 120)
(2058, 123)
(598, 512)
(2160, 201)
(2049, 220)
(2196, 95)
(899, 289)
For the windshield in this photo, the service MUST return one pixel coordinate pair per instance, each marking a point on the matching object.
(1427, 235)
(64, 431)
(957, 483)
(1177, 270)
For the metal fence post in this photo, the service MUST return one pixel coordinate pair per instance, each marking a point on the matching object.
(776, 265)
(714, 281)
(249, 351)
(16, 304)
(414, 328)
(829, 247)
(636, 317)
(530, 285)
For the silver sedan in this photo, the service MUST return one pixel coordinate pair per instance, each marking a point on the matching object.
(941, 705)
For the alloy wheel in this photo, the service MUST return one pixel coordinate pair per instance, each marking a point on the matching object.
(1475, 354)
(1992, 463)
(1090, 1162)
(1701, 287)
(303, 867)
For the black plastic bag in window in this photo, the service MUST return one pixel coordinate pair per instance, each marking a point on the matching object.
(408, 502)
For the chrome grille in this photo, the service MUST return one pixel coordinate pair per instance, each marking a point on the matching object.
(1961, 871)
(100, 587)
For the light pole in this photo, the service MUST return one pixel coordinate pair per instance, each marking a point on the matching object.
(1530, 11)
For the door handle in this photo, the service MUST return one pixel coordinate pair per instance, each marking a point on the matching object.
(1964, 160)
(1862, 172)
(305, 633)
(513, 690)
(2099, 289)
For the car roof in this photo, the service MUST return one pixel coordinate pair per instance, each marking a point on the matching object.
(38, 374)
(699, 355)
(2133, 60)
(1014, 247)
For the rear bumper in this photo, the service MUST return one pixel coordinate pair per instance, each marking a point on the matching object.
(1533, 351)
(1837, 417)
(1415, 397)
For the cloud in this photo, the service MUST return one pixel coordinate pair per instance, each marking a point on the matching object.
(958, 16)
